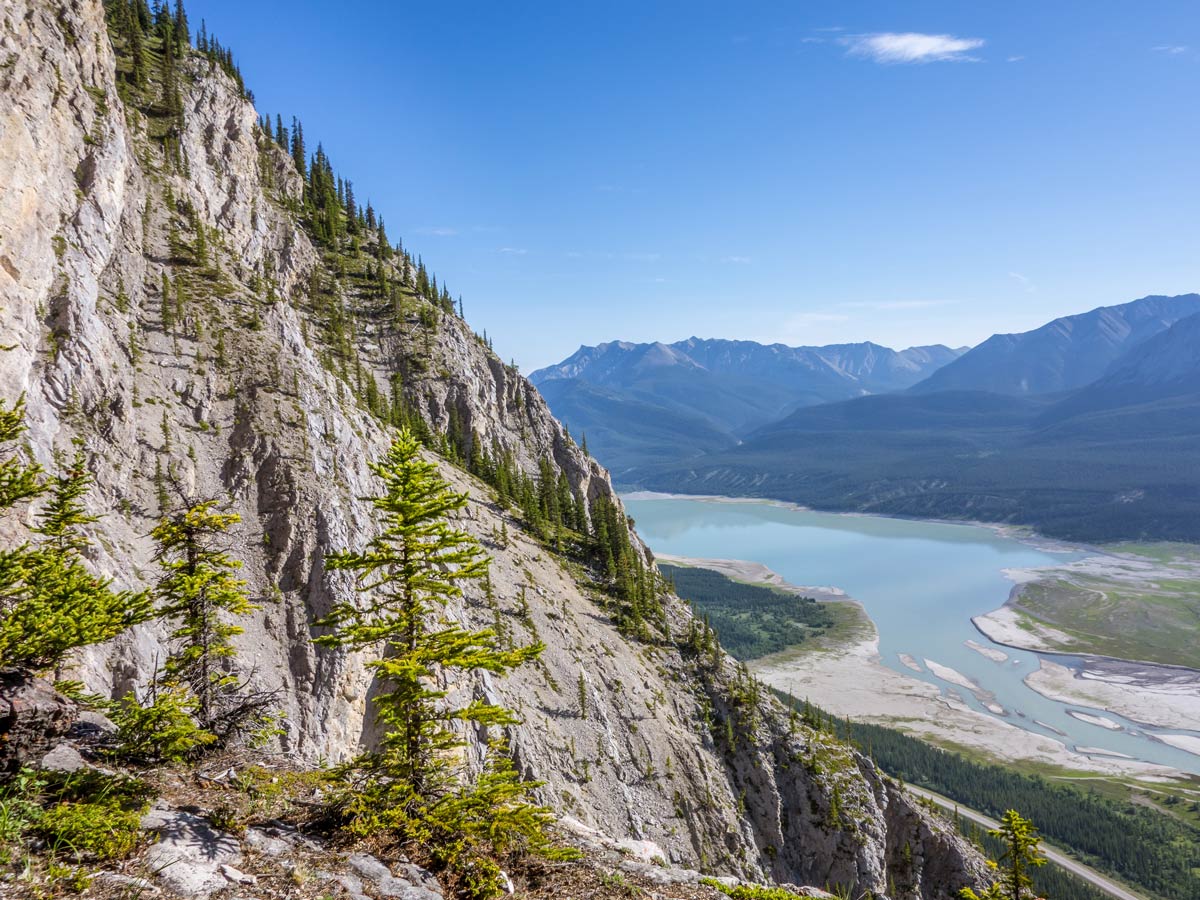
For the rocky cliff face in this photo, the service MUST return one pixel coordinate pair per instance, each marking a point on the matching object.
(171, 314)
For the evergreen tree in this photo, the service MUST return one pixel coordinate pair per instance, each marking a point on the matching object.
(180, 29)
(50, 603)
(407, 575)
(144, 17)
(299, 157)
(198, 592)
(1020, 856)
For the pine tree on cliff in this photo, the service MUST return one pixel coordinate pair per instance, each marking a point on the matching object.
(198, 593)
(180, 29)
(50, 603)
(406, 576)
(1020, 857)
(298, 154)
(144, 16)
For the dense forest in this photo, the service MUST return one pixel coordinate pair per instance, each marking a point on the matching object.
(1156, 852)
(1048, 881)
(751, 621)
(971, 456)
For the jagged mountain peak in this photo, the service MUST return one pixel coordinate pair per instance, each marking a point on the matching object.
(704, 394)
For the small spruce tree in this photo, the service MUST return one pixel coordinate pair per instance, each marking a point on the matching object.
(198, 593)
(409, 784)
(1020, 857)
(50, 602)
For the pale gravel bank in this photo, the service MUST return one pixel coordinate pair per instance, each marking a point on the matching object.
(1160, 696)
(851, 681)
(1102, 721)
(756, 573)
(996, 656)
(1012, 628)
(1186, 742)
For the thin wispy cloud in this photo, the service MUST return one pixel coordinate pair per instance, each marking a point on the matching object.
(438, 230)
(886, 305)
(643, 257)
(801, 320)
(737, 260)
(823, 35)
(1171, 49)
(892, 48)
(1026, 284)
(1014, 59)
(805, 328)
(513, 251)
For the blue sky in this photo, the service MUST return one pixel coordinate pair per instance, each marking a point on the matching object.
(815, 172)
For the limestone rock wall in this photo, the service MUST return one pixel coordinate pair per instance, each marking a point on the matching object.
(236, 400)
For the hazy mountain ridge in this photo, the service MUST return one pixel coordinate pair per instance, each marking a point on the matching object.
(1117, 459)
(1064, 354)
(646, 404)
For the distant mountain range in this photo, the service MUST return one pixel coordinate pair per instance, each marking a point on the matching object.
(1062, 355)
(659, 403)
(1086, 428)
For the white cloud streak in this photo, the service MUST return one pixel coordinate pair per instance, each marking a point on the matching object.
(886, 305)
(892, 48)
(1026, 284)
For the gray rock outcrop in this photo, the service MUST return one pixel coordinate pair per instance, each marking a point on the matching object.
(243, 395)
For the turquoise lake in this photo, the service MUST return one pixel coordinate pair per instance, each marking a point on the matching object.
(921, 582)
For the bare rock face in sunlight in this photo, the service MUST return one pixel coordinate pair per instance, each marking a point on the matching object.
(239, 397)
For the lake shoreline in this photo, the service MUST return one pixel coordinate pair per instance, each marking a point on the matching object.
(850, 680)
(850, 677)
(999, 631)
(1023, 533)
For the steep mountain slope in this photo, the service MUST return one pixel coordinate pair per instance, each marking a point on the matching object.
(658, 403)
(1106, 472)
(1062, 355)
(174, 299)
(621, 429)
(1166, 365)
(997, 435)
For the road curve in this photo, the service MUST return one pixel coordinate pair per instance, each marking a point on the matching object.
(1078, 869)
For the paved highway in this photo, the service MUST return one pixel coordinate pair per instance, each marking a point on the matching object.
(1078, 869)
